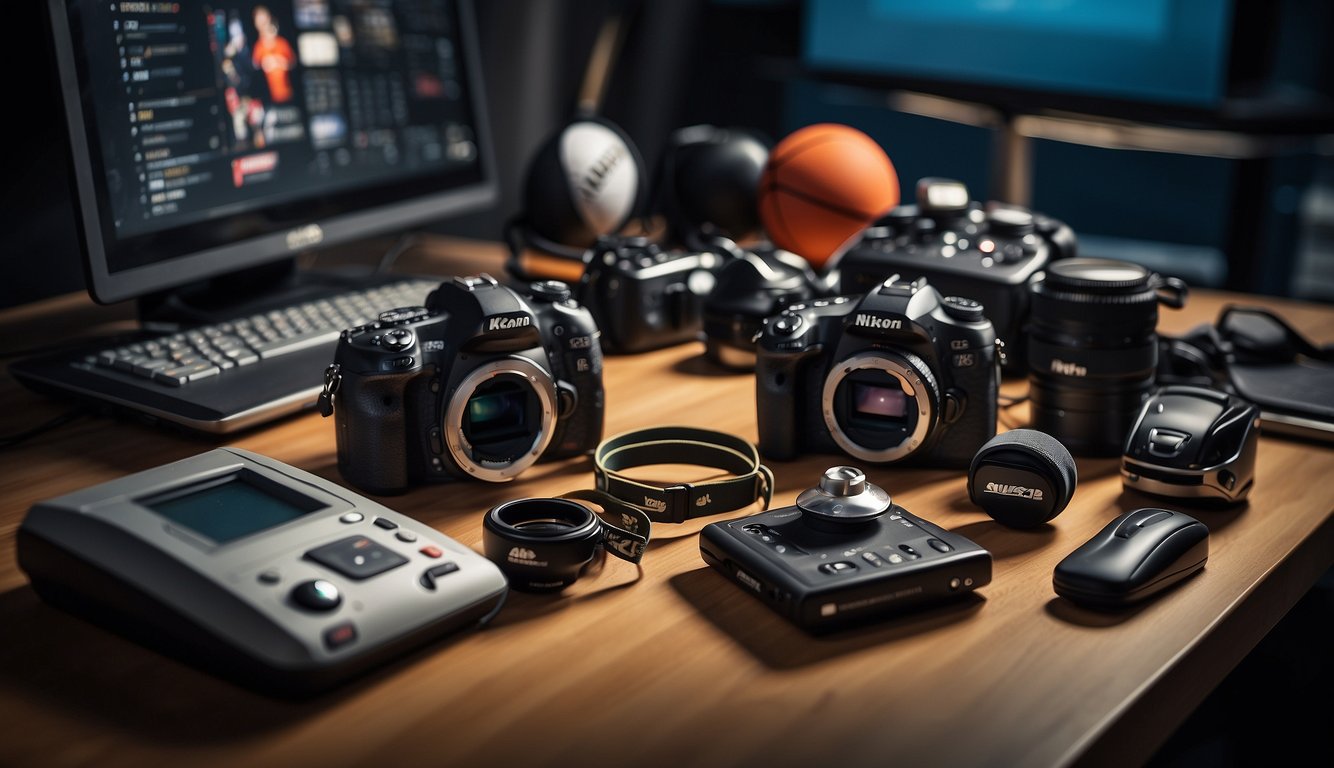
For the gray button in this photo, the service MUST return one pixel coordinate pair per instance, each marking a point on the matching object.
(351, 517)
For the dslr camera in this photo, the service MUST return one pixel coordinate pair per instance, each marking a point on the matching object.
(479, 383)
(844, 554)
(988, 253)
(898, 375)
(643, 296)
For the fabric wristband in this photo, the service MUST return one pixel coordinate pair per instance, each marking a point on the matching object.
(677, 503)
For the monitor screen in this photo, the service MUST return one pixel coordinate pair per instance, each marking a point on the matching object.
(1148, 51)
(210, 137)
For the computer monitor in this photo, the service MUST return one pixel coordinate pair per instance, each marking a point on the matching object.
(211, 138)
(1222, 63)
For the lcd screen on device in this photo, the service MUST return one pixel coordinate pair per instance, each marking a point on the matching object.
(230, 508)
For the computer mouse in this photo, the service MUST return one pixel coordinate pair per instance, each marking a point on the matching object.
(1193, 444)
(1134, 556)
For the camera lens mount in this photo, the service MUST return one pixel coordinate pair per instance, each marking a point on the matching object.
(880, 406)
(500, 418)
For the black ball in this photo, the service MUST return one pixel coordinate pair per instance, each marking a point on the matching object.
(714, 181)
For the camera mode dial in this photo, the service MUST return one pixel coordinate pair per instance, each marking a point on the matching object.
(552, 291)
(844, 495)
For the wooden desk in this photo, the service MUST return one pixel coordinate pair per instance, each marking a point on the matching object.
(675, 666)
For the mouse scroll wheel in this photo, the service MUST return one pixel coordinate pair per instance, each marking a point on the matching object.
(1139, 521)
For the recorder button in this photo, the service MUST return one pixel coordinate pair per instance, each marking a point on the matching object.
(339, 635)
(317, 595)
(873, 559)
(1166, 442)
(842, 566)
(939, 545)
(435, 572)
(909, 551)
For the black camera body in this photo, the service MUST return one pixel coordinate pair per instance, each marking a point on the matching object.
(843, 555)
(987, 253)
(898, 375)
(643, 296)
(755, 284)
(479, 383)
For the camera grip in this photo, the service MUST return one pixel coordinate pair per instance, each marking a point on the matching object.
(580, 430)
(371, 419)
(777, 381)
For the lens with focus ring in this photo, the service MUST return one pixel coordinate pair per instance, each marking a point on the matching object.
(541, 545)
(1093, 349)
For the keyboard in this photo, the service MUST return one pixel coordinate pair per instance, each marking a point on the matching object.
(223, 377)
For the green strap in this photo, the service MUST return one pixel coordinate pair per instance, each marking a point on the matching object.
(682, 445)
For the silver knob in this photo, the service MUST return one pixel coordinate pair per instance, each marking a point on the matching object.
(843, 481)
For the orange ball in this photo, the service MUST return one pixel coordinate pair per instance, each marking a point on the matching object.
(822, 185)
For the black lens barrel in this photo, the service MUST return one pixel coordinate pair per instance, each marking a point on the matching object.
(541, 544)
(1093, 349)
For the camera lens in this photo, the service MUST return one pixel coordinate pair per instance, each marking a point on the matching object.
(1093, 349)
(499, 420)
(541, 545)
(880, 406)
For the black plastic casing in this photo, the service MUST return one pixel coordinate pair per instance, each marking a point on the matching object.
(1135, 556)
(755, 286)
(390, 409)
(779, 558)
(1193, 444)
(645, 297)
(912, 243)
(951, 351)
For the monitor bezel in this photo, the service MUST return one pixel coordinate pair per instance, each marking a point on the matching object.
(347, 224)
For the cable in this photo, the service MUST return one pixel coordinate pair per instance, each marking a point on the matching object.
(402, 245)
(9, 441)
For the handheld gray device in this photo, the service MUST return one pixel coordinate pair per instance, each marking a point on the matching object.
(255, 571)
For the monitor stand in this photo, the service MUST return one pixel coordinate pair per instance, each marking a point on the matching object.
(250, 291)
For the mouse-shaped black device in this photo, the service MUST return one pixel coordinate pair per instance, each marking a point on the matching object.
(1193, 443)
(1136, 555)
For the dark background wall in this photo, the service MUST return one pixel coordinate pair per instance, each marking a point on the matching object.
(1266, 227)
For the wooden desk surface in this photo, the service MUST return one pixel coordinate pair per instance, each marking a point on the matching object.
(674, 666)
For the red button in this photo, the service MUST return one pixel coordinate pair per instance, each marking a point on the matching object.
(340, 635)
(431, 551)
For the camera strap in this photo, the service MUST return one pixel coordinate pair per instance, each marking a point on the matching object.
(750, 481)
(625, 528)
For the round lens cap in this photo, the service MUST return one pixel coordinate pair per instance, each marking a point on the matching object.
(1095, 274)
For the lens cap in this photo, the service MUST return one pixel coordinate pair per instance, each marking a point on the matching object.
(1022, 478)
